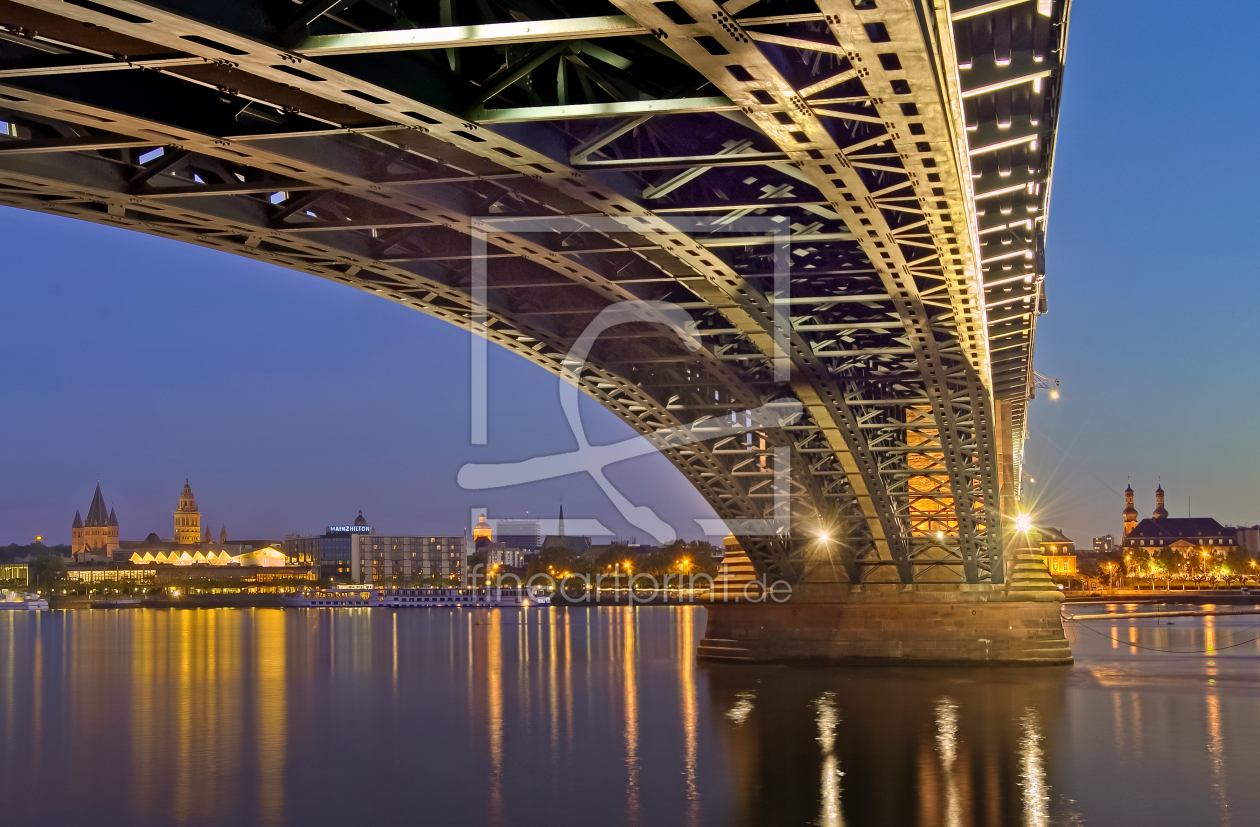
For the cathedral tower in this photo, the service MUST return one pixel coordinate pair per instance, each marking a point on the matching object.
(187, 518)
(99, 532)
(1160, 512)
(1130, 513)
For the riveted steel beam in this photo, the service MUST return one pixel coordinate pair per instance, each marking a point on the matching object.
(399, 174)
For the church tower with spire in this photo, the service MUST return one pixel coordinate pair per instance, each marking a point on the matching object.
(187, 518)
(1130, 513)
(1160, 512)
(98, 533)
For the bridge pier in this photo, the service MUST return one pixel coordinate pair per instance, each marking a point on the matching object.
(878, 624)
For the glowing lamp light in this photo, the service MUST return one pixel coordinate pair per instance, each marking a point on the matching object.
(1023, 522)
(1054, 394)
(823, 536)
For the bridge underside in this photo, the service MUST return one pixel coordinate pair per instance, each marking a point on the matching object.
(847, 197)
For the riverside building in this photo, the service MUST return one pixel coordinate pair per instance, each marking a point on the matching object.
(1194, 538)
(356, 553)
(525, 535)
(380, 560)
(330, 551)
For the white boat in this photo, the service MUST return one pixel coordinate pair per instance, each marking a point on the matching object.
(366, 597)
(22, 602)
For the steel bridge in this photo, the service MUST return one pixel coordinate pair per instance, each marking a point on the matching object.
(870, 175)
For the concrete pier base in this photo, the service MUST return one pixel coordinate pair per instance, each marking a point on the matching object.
(1020, 624)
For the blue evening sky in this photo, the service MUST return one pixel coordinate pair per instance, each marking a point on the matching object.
(291, 402)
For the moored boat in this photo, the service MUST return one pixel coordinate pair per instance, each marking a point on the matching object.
(366, 597)
(22, 602)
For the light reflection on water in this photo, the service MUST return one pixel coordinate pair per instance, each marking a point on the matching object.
(1032, 782)
(269, 717)
(831, 815)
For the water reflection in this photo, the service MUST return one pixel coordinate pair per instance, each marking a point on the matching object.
(1033, 770)
(827, 721)
(947, 752)
(272, 720)
(689, 704)
(631, 695)
(510, 718)
(909, 754)
(494, 707)
(1216, 753)
(743, 706)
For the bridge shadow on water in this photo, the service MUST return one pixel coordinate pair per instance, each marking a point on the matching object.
(888, 745)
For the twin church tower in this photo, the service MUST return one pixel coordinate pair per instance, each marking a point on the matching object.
(1131, 515)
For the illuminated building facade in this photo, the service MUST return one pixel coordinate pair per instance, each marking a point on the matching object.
(15, 575)
(381, 559)
(210, 556)
(499, 554)
(1187, 535)
(95, 538)
(228, 576)
(329, 551)
(1195, 539)
(1058, 552)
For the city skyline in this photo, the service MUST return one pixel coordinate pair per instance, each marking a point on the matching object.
(543, 520)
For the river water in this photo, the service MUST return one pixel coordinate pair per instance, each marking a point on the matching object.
(602, 716)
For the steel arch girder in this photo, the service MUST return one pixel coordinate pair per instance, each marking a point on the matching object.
(90, 190)
(755, 330)
(804, 140)
(936, 403)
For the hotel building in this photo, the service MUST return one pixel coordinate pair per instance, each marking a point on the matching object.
(357, 554)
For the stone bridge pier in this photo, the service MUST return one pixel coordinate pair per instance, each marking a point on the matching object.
(1017, 623)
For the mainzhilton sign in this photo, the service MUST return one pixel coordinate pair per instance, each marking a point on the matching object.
(349, 529)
